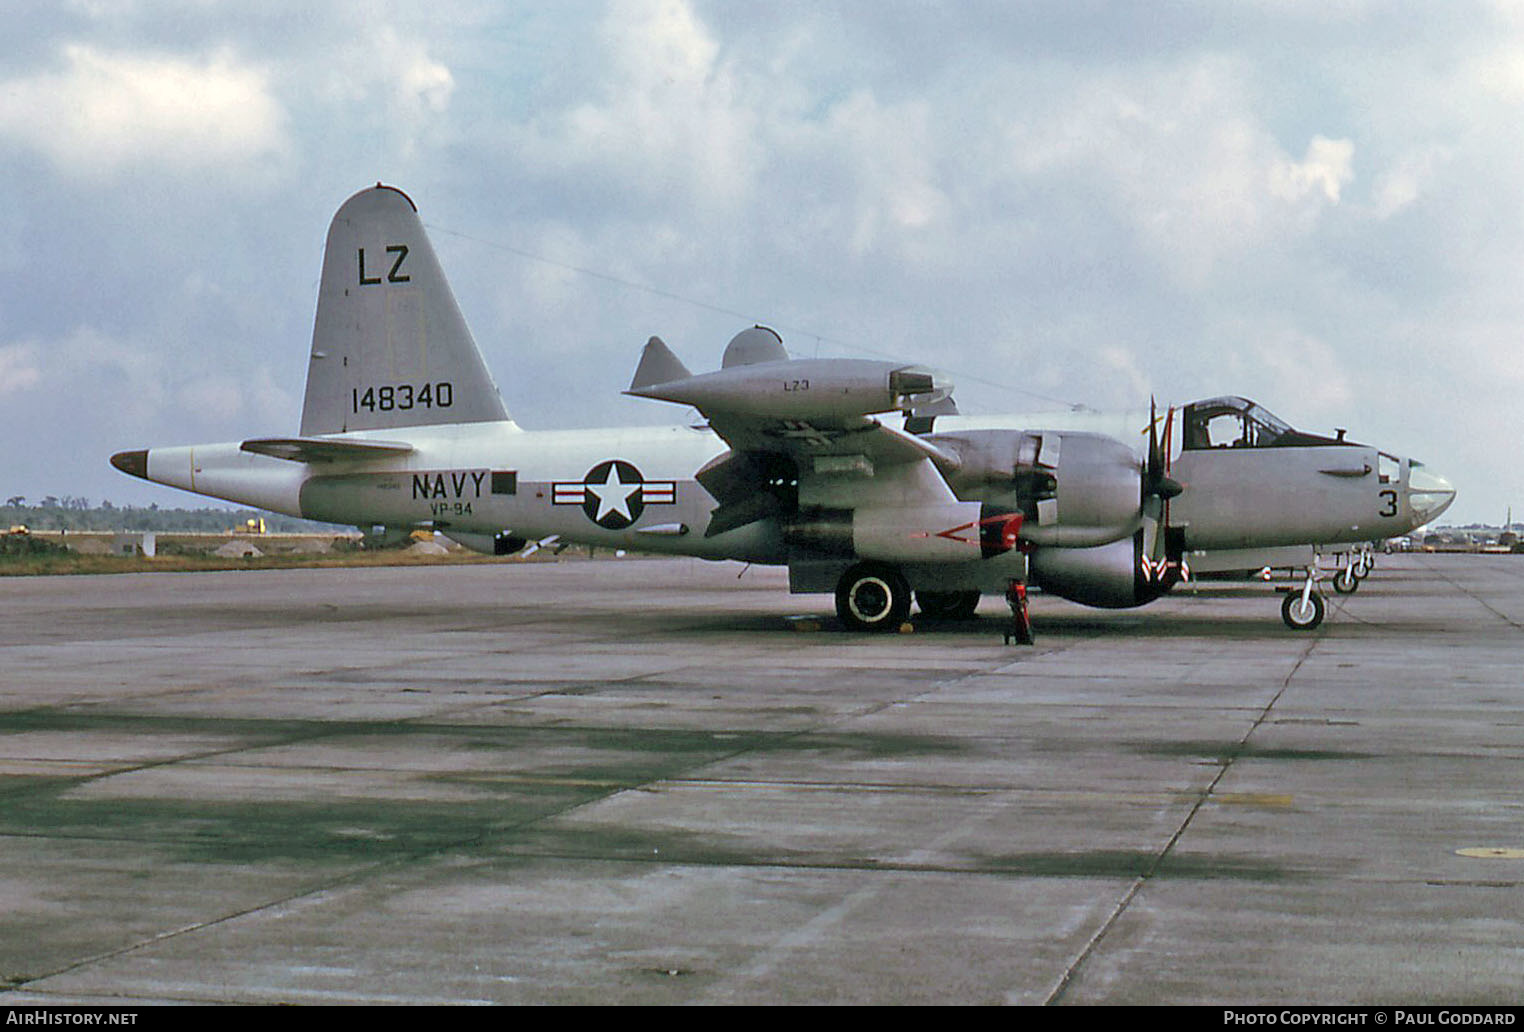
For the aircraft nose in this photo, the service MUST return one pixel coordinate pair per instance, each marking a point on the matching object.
(1429, 494)
(133, 462)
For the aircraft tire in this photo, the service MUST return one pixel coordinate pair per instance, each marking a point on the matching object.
(947, 605)
(872, 597)
(1301, 617)
(1345, 582)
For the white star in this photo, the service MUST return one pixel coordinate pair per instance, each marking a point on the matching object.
(613, 496)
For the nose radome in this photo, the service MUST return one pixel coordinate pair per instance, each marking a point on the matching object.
(1429, 494)
(133, 462)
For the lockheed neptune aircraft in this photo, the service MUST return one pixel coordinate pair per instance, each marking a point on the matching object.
(799, 464)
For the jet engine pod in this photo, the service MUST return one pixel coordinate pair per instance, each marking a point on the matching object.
(1118, 575)
(803, 389)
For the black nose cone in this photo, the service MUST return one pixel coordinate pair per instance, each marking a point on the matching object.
(133, 462)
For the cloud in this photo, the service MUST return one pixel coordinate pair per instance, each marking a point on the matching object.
(672, 119)
(1298, 367)
(19, 368)
(106, 110)
(146, 382)
(1400, 186)
(1326, 169)
(388, 78)
(1181, 158)
(1083, 200)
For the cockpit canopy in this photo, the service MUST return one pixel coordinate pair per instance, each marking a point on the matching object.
(1234, 422)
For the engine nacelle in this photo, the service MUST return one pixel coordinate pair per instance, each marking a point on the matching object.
(950, 532)
(1118, 575)
(1074, 489)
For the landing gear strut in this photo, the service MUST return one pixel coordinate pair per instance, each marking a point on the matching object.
(1303, 609)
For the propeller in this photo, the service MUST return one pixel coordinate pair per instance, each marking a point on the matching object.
(1161, 557)
(1157, 483)
(535, 546)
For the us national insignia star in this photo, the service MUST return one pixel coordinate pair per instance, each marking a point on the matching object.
(613, 499)
(614, 494)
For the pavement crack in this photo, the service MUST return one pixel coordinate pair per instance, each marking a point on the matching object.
(1072, 971)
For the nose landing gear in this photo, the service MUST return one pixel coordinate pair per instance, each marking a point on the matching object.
(1303, 608)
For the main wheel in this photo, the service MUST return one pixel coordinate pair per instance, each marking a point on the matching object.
(947, 605)
(872, 597)
(1346, 581)
(1302, 614)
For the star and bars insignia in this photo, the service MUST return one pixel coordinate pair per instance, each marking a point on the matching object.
(613, 494)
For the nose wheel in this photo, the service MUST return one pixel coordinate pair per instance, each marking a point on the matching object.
(1302, 610)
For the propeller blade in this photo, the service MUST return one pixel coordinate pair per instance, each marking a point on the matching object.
(1157, 482)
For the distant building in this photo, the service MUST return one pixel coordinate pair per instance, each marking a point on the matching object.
(143, 543)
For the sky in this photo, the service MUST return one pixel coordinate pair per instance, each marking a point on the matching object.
(1318, 205)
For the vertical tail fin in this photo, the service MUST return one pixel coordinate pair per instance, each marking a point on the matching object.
(389, 345)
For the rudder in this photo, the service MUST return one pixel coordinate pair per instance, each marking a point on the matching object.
(390, 347)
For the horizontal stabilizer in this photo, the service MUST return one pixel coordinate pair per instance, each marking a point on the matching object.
(658, 365)
(322, 449)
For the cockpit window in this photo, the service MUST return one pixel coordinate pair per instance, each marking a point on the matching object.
(1232, 422)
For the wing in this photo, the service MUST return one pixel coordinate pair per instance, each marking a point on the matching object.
(806, 433)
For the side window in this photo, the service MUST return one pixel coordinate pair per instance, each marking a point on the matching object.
(1225, 430)
(1390, 468)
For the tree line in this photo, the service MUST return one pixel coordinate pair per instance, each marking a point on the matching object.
(67, 512)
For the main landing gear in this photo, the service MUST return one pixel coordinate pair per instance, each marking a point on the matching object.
(872, 597)
(947, 605)
(875, 596)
